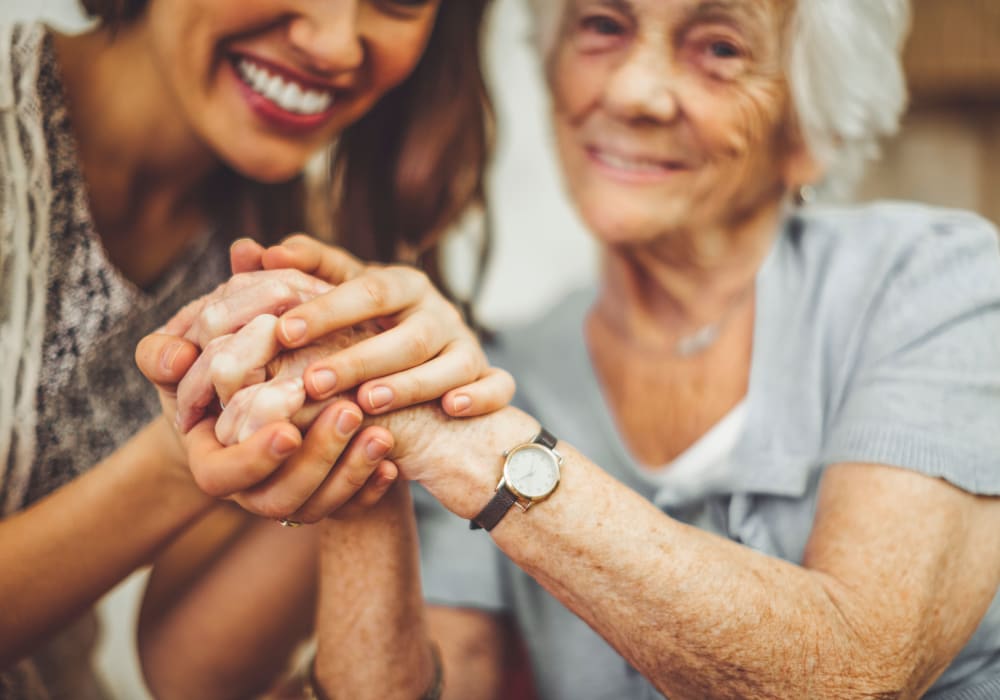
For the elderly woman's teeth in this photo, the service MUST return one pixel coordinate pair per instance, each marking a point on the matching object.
(631, 165)
(288, 95)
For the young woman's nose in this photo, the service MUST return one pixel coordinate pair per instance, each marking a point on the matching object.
(643, 87)
(327, 35)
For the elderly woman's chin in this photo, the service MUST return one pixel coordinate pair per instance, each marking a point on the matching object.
(620, 219)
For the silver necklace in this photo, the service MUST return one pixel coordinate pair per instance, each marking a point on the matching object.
(699, 341)
(703, 338)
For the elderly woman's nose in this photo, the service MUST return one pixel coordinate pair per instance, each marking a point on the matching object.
(644, 87)
(328, 35)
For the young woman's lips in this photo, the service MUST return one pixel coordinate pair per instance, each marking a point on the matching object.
(633, 169)
(281, 100)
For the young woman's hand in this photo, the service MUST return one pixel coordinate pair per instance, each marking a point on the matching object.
(424, 352)
(417, 347)
(278, 471)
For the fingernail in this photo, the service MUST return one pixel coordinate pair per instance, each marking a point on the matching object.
(377, 449)
(283, 445)
(385, 480)
(347, 422)
(461, 403)
(380, 397)
(169, 354)
(323, 381)
(294, 329)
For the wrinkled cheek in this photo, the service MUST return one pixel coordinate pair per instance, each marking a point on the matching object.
(755, 120)
(743, 139)
(575, 84)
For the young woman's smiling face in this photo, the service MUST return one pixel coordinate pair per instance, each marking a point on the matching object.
(671, 113)
(266, 83)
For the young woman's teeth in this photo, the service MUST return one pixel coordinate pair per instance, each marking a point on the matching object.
(288, 95)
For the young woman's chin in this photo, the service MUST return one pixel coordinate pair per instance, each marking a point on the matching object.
(271, 165)
(269, 173)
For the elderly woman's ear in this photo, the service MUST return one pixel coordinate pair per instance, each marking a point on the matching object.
(801, 167)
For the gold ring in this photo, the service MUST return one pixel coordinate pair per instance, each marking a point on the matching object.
(289, 523)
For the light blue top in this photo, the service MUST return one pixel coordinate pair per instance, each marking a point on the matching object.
(877, 340)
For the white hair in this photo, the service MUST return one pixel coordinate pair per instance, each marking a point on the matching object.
(844, 71)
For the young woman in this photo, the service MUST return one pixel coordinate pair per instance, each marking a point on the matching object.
(132, 155)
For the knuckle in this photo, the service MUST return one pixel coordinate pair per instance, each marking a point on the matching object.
(411, 275)
(211, 322)
(208, 483)
(353, 367)
(298, 239)
(221, 366)
(453, 316)
(329, 452)
(368, 498)
(507, 383)
(468, 364)
(277, 507)
(419, 344)
(376, 289)
(279, 293)
(356, 476)
(216, 345)
(414, 389)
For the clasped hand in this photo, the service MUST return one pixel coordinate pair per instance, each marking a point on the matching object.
(267, 378)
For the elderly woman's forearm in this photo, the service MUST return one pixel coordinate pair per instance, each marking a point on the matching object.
(373, 639)
(696, 614)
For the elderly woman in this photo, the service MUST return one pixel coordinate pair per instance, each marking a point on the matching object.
(770, 459)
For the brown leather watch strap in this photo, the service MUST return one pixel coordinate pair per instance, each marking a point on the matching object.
(546, 439)
(494, 511)
(504, 498)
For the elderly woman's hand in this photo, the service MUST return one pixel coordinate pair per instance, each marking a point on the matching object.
(208, 321)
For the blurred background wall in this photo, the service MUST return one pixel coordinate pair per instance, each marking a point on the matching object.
(948, 153)
(949, 149)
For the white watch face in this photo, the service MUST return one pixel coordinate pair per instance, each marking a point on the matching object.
(532, 471)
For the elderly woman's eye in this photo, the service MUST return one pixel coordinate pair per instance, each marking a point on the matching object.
(605, 26)
(596, 33)
(407, 4)
(724, 49)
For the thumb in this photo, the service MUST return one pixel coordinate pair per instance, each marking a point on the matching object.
(165, 359)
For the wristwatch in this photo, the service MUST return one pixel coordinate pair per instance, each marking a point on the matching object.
(530, 475)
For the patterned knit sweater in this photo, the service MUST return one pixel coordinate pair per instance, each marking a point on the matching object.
(90, 397)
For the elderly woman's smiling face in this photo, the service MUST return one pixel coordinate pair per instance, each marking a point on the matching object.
(672, 114)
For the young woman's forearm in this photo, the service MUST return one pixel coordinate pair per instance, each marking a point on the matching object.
(372, 630)
(63, 553)
(226, 606)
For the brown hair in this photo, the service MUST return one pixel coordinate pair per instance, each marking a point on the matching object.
(401, 175)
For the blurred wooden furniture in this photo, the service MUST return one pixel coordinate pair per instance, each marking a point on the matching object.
(948, 152)
(953, 52)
